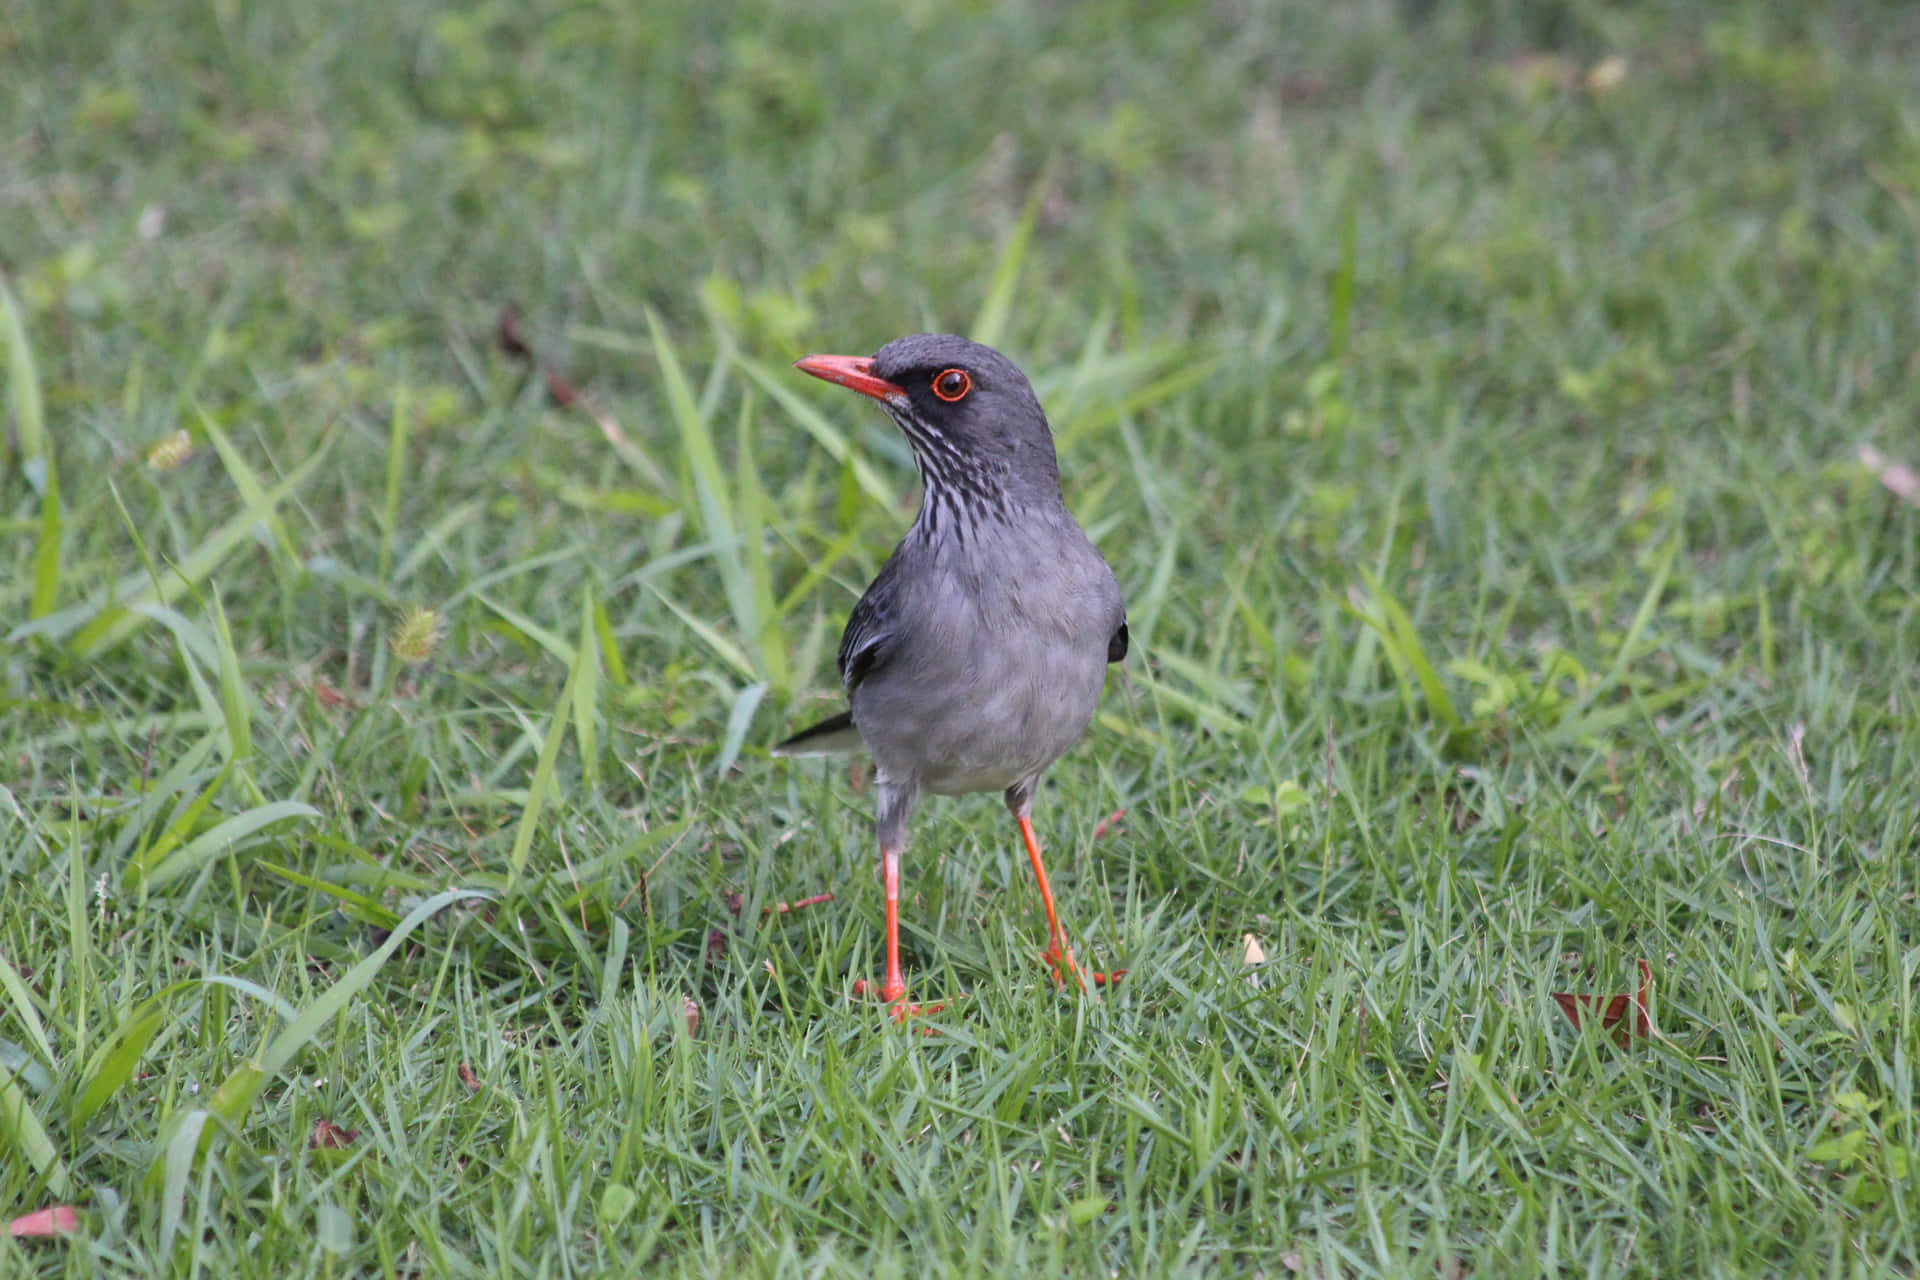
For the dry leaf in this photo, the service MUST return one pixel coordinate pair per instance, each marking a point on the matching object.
(328, 1136)
(1110, 823)
(1613, 1009)
(1251, 952)
(692, 1012)
(782, 908)
(469, 1079)
(54, 1220)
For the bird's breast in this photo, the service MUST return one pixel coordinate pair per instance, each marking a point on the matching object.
(997, 677)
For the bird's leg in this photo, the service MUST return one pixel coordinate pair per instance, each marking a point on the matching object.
(896, 802)
(1059, 955)
(896, 986)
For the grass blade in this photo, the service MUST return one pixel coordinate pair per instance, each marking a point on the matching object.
(23, 391)
(824, 433)
(210, 845)
(991, 324)
(235, 705)
(543, 769)
(103, 624)
(236, 1094)
(586, 696)
(264, 507)
(46, 553)
(396, 474)
(114, 1062)
(22, 1129)
(738, 722)
(21, 998)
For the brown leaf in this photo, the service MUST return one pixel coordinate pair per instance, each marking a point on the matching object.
(469, 1079)
(327, 695)
(506, 331)
(692, 1012)
(782, 908)
(54, 1220)
(328, 1136)
(1613, 1009)
(1251, 952)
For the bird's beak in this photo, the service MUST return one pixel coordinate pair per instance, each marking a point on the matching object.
(855, 372)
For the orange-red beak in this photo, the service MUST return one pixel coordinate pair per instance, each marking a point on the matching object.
(853, 372)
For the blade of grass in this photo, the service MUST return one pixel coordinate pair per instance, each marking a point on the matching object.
(24, 1011)
(396, 474)
(586, 696)
(738, 722)
(23, 391)
(113, 1063)
(551, 641)
(725, 649)
(990, 325)
(236, 1094)
(755, 512)
(102, 624)
(824, 433)
(609, 645)
(22, 1129)
(1340, 287)
(543, 769)
(236, 706)
(202, 849)
(252, 492)
(46, 554)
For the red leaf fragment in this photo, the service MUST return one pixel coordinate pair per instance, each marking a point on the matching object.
(329, 1136)
(469, 1079)
(1109, 823)
(54, 1220)
(506, 332)
(328, 696)
(782, 908)
(1612, 1009)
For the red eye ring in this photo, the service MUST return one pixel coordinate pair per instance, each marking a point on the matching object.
(952, 384)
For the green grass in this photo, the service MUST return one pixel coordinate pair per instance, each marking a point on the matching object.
(1476, 445)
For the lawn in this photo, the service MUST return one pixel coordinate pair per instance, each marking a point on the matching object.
(415, 539)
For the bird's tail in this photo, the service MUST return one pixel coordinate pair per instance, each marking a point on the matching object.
(828, 738)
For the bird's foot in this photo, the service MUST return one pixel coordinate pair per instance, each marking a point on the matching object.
(896, 998)
(1057, 961)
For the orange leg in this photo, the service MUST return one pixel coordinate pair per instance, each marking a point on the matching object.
(894, 990)
(1058, 955)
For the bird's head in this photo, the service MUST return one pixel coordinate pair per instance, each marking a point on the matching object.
(967, 410)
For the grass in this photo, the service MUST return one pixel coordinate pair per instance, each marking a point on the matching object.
(1474, 429)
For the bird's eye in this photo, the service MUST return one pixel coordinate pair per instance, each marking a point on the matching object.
(952, 384)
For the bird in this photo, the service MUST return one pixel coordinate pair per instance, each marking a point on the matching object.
(977, 657)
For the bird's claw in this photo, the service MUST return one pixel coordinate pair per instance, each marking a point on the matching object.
(898, 1008)
(1056, 960)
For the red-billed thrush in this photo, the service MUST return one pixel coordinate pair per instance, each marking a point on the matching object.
(977, 656)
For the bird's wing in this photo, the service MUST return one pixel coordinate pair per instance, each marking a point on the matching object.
(1117, 643)
(868, 642)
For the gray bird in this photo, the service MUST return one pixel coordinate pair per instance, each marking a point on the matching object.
(977, 657)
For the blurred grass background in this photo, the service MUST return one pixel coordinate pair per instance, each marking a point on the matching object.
(1470, 396)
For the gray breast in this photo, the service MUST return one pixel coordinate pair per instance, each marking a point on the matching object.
(1001, 663)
